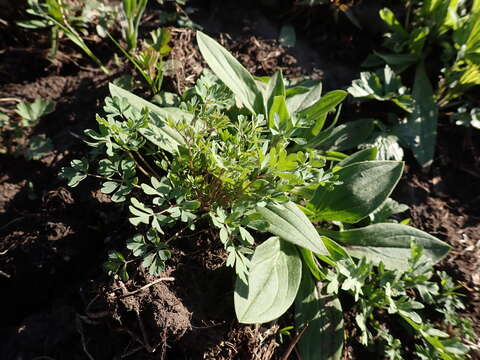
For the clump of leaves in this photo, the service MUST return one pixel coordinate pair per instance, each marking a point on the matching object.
(149, 61)
(62, 19)
(14, 129)
(133, 11)
(246, 156)
(404, 295)
(444, 32)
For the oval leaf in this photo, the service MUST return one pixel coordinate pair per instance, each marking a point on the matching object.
(275, 87)
(365, 186)
(300, 100)
(317, 113)
(273, 282)
(323, 339)
(232, 73)
(291, 224)
(422, 123)
(369, 154)
(343, 137)
(388, 243)
(137, 102)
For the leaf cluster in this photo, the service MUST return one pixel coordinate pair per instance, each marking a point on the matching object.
(441, 33)
(13, 130)
(246, 156)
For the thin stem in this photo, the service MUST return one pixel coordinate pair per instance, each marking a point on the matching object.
(114, 180)
(148, 165)
(139, 166)
(407, 17)
(174, 236)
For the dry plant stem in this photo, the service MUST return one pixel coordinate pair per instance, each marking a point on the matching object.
(147, 286)
(407, 17)
(174, 236)
(294, 342)
(148, 165)
(78, 323)
(10, 99)
(131, 352)
(138, 165)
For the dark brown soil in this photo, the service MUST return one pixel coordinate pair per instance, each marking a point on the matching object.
(57, 302)
(444, 202)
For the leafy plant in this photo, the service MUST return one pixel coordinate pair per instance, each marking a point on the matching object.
(61, 19)
(403, 294)
(249, 155)
(133, 11)
(14, 129)
(149, 62)
(32, 112)
(443, 33)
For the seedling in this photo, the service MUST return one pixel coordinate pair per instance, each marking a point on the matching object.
(61, 19)
(149, 62)
(13, 129)
(133, 11)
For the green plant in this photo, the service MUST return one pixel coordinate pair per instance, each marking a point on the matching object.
(13, 130)
(404, 294)
(61, 19)
(248, 155)
(443, 34)
(32, 112)
(133, 11)
(149, 62)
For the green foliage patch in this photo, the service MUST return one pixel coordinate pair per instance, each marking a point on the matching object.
(252, 157)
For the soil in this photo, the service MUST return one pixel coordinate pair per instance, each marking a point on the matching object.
(59, 304)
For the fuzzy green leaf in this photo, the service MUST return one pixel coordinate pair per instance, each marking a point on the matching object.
(160, 133)
(291, 224)
(317, 113)
(273, 282)
(343, 137)
(303, 99)
(388, 243)
(365, 186)
(362, 155)
(323, 339)
(232, 73)
(422, 123)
